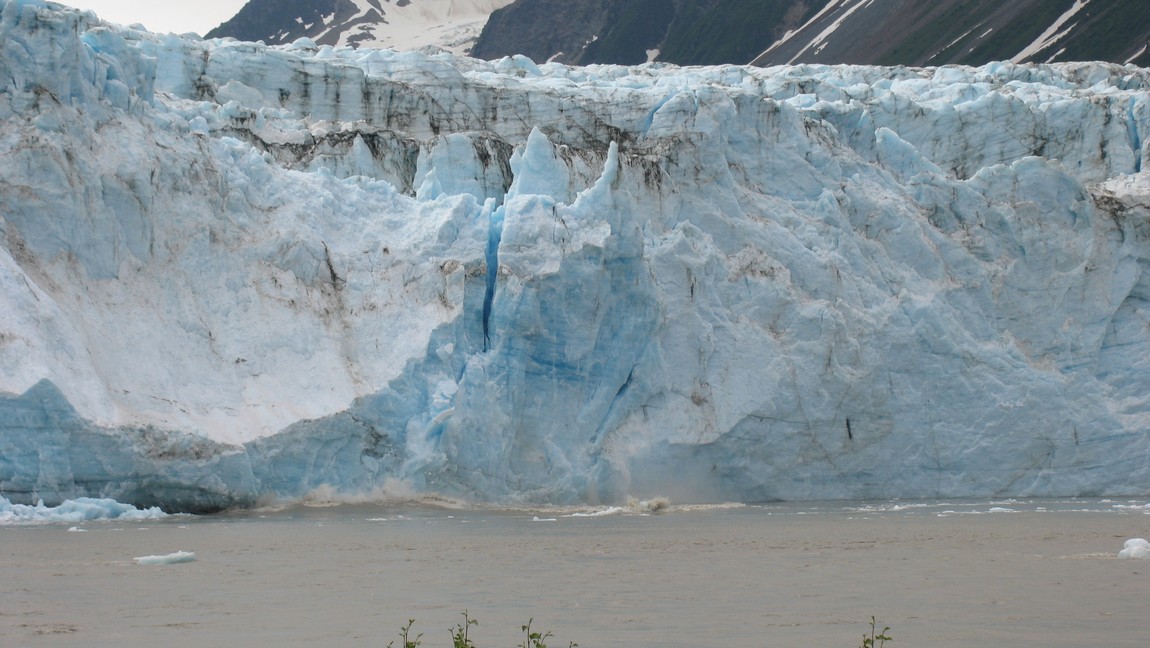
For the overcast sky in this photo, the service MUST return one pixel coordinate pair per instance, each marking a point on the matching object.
(163, 16)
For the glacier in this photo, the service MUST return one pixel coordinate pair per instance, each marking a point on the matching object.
(232, 272)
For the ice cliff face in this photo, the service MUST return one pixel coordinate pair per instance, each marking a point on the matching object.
(229, 271)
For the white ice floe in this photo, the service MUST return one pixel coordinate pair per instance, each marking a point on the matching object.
(82, 509)
(1135, 548)
(168, 559)
(603, 512)
(1132, 507)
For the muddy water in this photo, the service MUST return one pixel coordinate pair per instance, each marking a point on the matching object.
(1020, 574)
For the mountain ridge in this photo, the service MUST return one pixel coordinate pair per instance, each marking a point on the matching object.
(708, 32)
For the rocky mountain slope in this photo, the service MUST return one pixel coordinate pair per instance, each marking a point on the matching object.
(970, 32)
(629, 32)
(703, 32)
(769, 32)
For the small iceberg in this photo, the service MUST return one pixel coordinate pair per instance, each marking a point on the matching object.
(1135, 548)
(610, 510)
(81, 509)
(169, 559)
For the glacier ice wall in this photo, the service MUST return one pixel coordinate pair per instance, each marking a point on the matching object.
(231, 271)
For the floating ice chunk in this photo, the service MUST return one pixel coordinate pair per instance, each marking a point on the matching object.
(1132, 507)
(82, 509)
(1135, 548)
(76, 530)
(539, 519)
(169, 559)
(610, 510)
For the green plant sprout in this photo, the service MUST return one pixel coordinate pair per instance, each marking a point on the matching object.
(875, 640)
(405, 634)
(536, 639)
(459, 638)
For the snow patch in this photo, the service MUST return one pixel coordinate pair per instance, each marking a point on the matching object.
(1052, 34)
(1140, 52)
(829, 7)
(818, 42)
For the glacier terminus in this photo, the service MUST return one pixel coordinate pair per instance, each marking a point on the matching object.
(232, 271)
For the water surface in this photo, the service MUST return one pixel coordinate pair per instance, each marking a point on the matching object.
(1014, 573)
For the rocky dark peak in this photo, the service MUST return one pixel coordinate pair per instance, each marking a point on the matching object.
(542, 30)
(283, 21)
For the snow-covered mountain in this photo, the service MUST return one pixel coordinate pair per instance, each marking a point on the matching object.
(233, 270)
(694, 32)
(399, 24)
